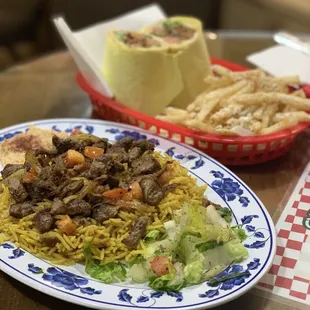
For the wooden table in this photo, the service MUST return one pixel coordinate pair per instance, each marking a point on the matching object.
(46, 88)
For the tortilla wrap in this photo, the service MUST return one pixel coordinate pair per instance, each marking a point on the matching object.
(145, 79)
(193, 60)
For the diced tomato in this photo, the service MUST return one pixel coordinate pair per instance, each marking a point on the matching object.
(135, 192)
(93, 152)
(30, 176)
(75, 131)
(66, 225)
(74, 158)
(161, 265)
(115, 193)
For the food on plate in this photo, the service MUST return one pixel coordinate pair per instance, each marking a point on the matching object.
(185, 36)
(124, 210)
(140, 71)
(13, 150)
(244, 103)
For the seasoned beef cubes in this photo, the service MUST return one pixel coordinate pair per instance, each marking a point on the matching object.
(71, 188)
(146, 164)
(144, 145)
(17, 190)
(137, 232)
(43, 220)
(134, 154)
(103, 212)
(118, 153)
(41, 189)
(125, 142)
(10, 169)
(58, 207)
(79, 207)
(152, 191)
(63, 145)
(59, 167)
(20, 210)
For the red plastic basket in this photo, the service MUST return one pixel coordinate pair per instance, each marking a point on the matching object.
(228, 150)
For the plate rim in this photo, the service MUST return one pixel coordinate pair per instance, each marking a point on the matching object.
(96, 304)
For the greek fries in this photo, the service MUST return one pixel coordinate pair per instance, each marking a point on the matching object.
(243, 103)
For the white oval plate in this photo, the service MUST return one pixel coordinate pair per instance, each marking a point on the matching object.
(73, 285)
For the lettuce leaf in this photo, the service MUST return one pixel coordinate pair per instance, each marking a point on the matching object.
(239, 233)
(232, 251)
(167, 282)
(225, 213)
(194, 260)
(137, 259)
(193, 271)
(202, 247)
(140, 273)
(236, 250)
(153, 235)
(108, 273)
(206, 222)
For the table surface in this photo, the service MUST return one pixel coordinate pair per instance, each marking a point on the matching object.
(46, 88)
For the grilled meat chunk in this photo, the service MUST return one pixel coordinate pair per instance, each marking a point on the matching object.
(146, 164)
(43, 220)
(10, 169)
(20, 210)
(137, 232)
(17, 190)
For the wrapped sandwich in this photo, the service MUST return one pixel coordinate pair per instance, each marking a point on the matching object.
(141, 72)
(184, 36)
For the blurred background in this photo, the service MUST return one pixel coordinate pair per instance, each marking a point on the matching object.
(26, 30)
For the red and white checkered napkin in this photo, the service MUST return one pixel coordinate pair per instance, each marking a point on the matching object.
(289, 275)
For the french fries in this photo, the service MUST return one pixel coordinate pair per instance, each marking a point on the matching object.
(243, 103)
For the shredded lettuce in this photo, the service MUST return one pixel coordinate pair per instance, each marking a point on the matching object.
(225, 213)
(153, 235)
(137, 259)
(239, 233)
(166, 282)
(206, 222)
(194, 260)
(164, 247)
(232, 251)
(140, 273)
(193, 271)
(202, 247)
(108, 273)
(236, 250)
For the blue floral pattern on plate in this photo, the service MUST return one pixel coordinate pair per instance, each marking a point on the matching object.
(133, 134)
(16, 252)
(195, 161)
(9, 135)
(72, 284)
(232, 276)
(147, 296)
(64, 279)
(228, 189)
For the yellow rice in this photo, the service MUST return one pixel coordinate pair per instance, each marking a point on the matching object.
(107, 238)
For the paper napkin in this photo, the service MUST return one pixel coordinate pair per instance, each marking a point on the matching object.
(87, 45)
(281, 60)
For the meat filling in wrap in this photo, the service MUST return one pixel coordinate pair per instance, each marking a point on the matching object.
(136, 39)
(173, 31)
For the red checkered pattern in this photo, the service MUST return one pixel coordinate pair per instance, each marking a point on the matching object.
(283, 277)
